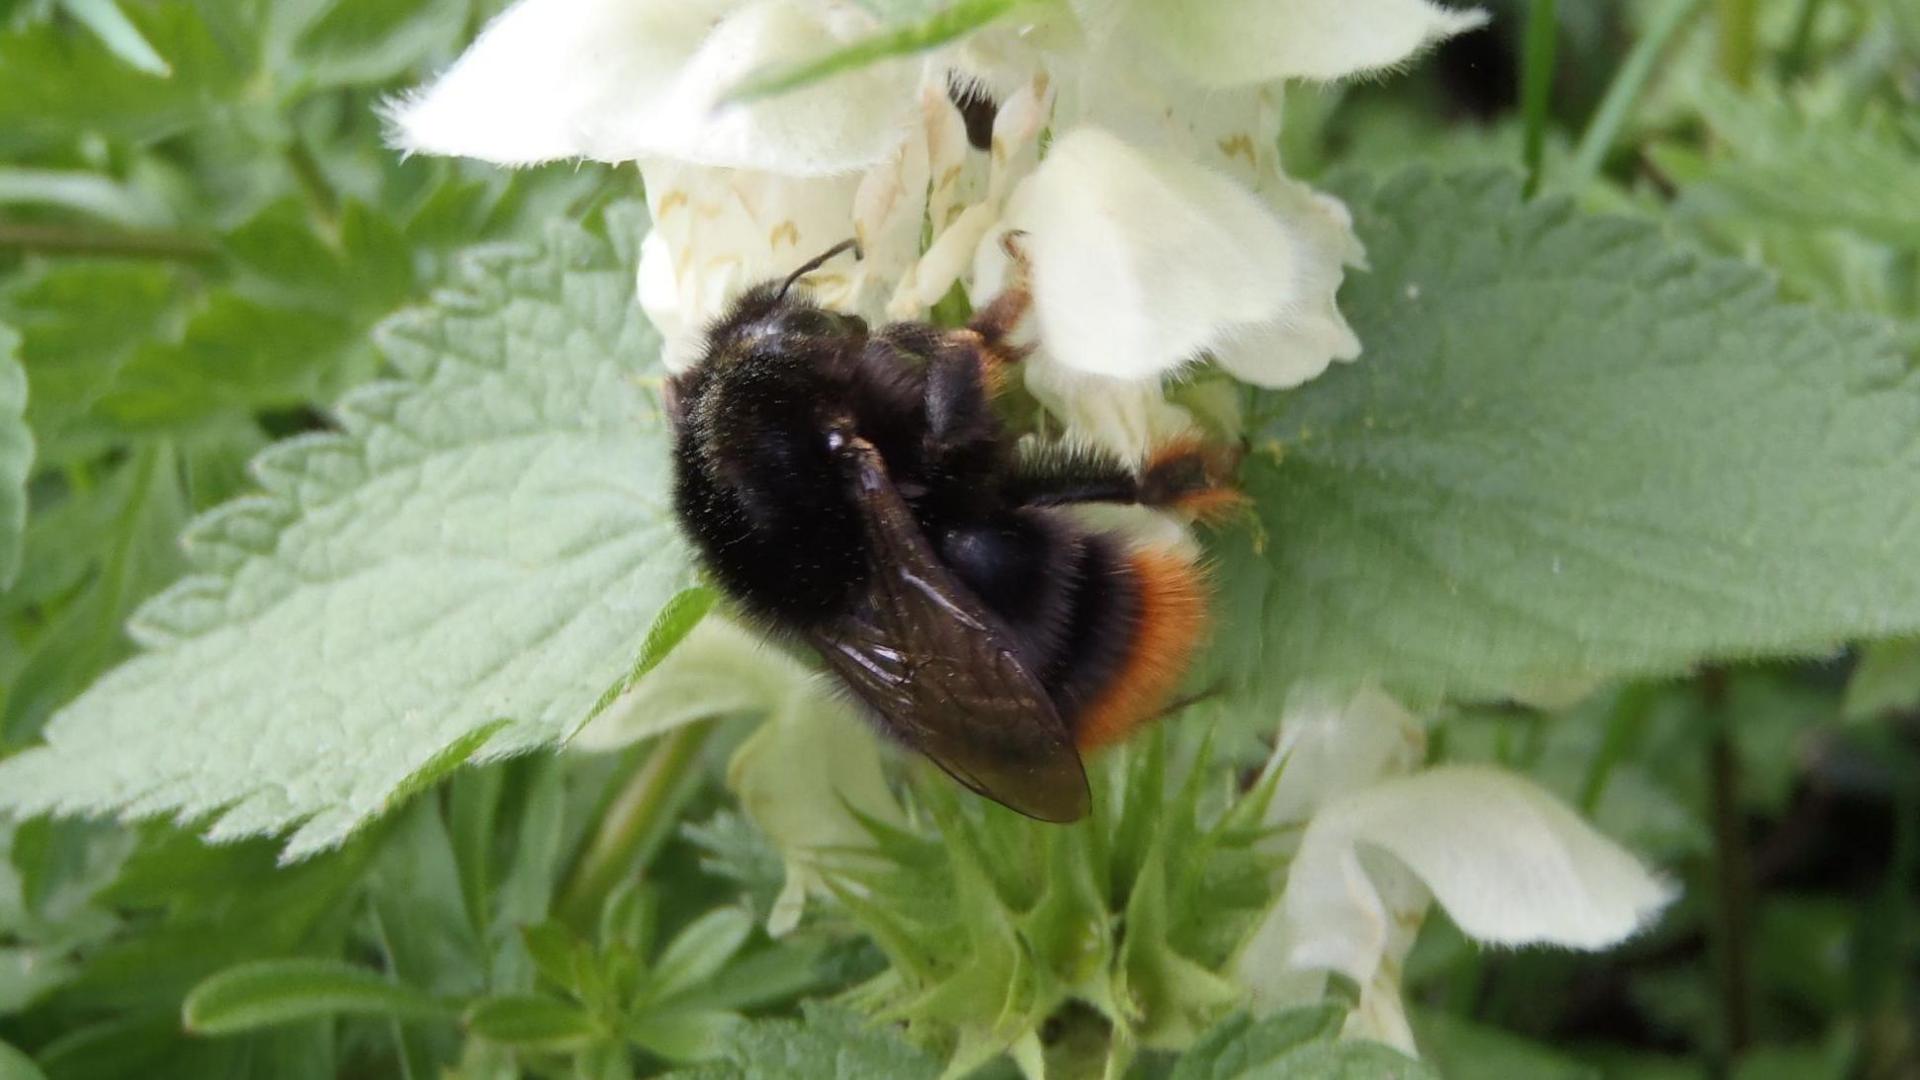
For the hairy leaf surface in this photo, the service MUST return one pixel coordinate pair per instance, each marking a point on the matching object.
(1569, 451)
(464, 568)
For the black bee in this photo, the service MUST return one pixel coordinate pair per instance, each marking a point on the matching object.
(855, 490)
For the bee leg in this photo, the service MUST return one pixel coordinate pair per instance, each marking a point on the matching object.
(1194, 477)
(996, 322)
(961, 381)
(1187, 475)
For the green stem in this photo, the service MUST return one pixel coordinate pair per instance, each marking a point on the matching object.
(1800, 46)
(1625, 722)
(79, 240)
(1732, 875)
(1739, 31)
(1536, 85)
(1624, 92)
(313, 182)
(635, 823)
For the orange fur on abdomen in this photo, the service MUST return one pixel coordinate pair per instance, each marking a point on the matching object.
(1172, 616)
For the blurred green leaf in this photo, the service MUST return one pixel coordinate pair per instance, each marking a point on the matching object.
(1458, 1047)
(1570, 452)
(269, 992)
(698, 952)
(359, 42)
(1886, 678)
(531, 1021)
(16, 456)
(118, 34)
(97, 555)
(15, 1065)
(827, 1043)
(82, 193)
(80, 320)
(1241, 1046)
(1786, 163)
(59, 83)
(683, 1034)
(486, 541)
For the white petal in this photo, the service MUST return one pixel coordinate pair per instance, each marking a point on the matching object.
(1511, 865)
(618, 80)
(1300, 343)
(725, 230)
(544, 69)
(1124, 416)
(720, 668)
(846, 122)
(1229, 42)
(1142, 261)
(799, 777)
(1332, 744)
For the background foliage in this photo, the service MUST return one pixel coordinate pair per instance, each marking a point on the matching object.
(1653, 469)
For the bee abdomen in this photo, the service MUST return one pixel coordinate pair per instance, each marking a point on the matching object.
(1138, 618)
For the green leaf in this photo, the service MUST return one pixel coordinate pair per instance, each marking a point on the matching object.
(15, 1065)
(1788, 164)
(700, 951)
(268, 992)
(90, 559)
(915, 28)
(1299, 1044)
(108, 23)
(1459, 1047)
(1240, 1046)
(58, 82)
(373, 41)
(683, 1034)
(531, 1021)
(16, 456)
(675, 621)
(1569, 451)
(486, 540)
(1886, 678)
(79, 321)
(829, 1043)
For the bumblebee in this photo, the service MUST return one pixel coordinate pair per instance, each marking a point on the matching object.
(855, 491)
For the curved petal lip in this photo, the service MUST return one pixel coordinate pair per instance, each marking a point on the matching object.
(620, 80)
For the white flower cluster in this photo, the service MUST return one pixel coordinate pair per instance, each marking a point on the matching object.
(1379, 840)
(1160, 225)
(1135, 143)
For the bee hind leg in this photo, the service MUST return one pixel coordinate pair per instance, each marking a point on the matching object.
(1193, 476)
(1189, 476)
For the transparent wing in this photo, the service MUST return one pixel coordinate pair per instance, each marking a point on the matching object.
(931, 661)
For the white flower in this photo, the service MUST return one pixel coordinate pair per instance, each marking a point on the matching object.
(627, 80)
(800, 776)
(1230, 42)
(1143, 260)
(1168, 115)
(1508, 863)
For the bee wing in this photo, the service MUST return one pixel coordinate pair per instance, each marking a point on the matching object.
(932, 661)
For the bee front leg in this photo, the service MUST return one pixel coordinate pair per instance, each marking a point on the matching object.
(996, 322)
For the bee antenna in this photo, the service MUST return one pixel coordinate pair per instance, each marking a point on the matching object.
(851, 244)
